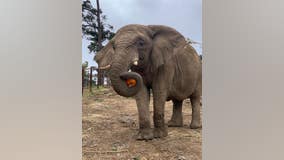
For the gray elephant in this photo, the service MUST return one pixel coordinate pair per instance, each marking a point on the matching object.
(142, 58)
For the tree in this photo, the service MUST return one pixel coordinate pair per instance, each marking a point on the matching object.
(85, 73)
(85, 68)
(95, 30)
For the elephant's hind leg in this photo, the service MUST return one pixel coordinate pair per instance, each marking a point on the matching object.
(176, 120)
(196, 119)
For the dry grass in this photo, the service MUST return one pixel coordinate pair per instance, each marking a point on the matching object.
(110, 122)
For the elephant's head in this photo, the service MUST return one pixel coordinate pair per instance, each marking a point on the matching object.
(136, 46)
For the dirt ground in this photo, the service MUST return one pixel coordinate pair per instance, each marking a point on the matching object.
(110, 123)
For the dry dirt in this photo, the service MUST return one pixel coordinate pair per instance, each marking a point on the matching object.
(110, 123)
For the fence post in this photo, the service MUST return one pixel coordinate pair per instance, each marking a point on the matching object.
(98, 77)
(83, 75)
(91, 77)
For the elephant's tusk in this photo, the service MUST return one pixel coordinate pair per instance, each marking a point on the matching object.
(105, 67)
(135, 63)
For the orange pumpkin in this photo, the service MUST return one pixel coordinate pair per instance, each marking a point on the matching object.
(131, 82)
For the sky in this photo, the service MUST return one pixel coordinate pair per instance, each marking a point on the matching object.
(183, 15)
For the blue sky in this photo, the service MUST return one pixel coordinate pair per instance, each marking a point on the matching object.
(183, 15)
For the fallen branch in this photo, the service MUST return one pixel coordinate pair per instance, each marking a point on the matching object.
(104, 152)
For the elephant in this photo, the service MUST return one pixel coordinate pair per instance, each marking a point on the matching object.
(157, 58)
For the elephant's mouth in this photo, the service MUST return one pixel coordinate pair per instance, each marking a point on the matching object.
(130, 80)
(133, 64)
(127, 77)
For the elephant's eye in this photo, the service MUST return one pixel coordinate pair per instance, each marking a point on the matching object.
(140, 43)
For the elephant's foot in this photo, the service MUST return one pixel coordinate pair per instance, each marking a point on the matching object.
(175, 122)
(195, 125)
(145, 134)
(160, 132)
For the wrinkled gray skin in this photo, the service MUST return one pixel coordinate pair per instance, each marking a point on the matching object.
(166, 64)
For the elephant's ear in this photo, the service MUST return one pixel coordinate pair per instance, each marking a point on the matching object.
(104, 56)
(165, 40)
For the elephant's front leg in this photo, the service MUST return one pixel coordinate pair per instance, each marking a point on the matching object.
(160, 129)
(143, 100)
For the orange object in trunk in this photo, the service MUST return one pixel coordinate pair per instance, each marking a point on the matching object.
(131, 82)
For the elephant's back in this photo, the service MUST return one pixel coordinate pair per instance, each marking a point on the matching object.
(187, 73)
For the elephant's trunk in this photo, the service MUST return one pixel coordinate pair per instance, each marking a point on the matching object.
(119, 74)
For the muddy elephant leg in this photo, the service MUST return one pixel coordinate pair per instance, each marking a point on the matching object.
(160, 129)
(176, 120)
(143, 100)
(196, 119)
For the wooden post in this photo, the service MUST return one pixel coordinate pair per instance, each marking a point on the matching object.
(98, 78)
(83, 75)
(91, 78)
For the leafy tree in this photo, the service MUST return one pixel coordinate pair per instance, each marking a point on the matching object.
(93, 24)
(84, 68)
(94, 29)
(85, 73)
